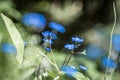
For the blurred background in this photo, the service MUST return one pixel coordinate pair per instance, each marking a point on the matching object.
(91, 20)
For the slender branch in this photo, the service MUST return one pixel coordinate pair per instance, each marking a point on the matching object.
(69, 59)
(50, 61)
(38, 71)
(111, 35)
(64, 62)
(54, 59)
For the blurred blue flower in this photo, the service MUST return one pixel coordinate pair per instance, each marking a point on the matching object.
(34, 20)
(69, 71)
(8, 48)
(57, 27)
(49, 35)
(25, 43)
(48, 49)
(110, 63)
(83, 68)
(77, 40)
(70, 46)
(94, 51)
(116, 42)
(116, 47)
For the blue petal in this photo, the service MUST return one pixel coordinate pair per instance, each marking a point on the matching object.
(8, 48)
(57, 27)
(69, 46)
(46, 33)
(77, 39)
(116, 42)
(48, 41)
(116, 47)
(111, 63)
(25, 43)
(34, 20)
(116, 39)
(83, 68)
(48, 49)
(49, 35)
(69, 70)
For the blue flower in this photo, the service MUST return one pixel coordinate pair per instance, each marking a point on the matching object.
(94, 51)
(34, 20)
(116, 42)
(48, 49)
(110, 63)
(83, 68)
(49, 35)
(116, 47)
(70, 71)
(70, 46)
(48, 41)
(57, 27)
(25, 43)
(77, 39)
(8, 48)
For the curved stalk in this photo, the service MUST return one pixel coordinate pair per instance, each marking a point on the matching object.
(110, 47)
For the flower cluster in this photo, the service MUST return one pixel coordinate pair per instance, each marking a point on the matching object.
(49, 34)
(49, 38)
(70, 46)
(77, 41)
(69, 70)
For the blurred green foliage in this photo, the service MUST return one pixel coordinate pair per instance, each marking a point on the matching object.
(11, 69)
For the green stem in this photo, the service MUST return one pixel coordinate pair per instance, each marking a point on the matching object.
(44, 78)
(39, 67)
(54, 59)
(37, 74)
(64, 62)
(118, 58)
(110, 47)
(51, 62)
(88, 76)
(69, 59)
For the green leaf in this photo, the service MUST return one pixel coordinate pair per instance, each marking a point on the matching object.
(15, 37)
